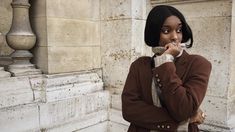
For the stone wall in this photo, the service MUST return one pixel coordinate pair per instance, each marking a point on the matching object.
(68, 35)
(5, 24)
(122, 41)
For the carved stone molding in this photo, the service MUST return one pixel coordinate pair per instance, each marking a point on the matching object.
(174, 2)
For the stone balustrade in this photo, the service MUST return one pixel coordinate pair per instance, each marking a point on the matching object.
(21, 39)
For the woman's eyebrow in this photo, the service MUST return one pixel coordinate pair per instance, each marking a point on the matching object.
(166, 25)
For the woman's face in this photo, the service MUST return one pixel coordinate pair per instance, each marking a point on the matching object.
(171, 31)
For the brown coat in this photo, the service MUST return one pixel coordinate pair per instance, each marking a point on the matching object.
(184, 84)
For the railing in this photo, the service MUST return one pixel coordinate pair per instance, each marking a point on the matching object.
(21, 39)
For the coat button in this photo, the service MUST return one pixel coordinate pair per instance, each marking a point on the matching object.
(158, 80)
(158, 126)
(159, 85)
(168, 126)
(163, 126)
(156, 75)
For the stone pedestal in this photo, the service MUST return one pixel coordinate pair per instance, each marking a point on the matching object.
(21, 39)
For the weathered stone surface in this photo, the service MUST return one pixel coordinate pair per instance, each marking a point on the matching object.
(59, 87)
(219, 114)
(92, 121)
(118, 57)
(207, 8)
(117, 127)
(74, 9)
(100, 127)
(49, 88)
(70, 59)
(122, 33)
(138, 9)
(231, 113)
(117, 123)
(122, 9)
(5, 50)
(23, 118)
(41, 58)
(139, 48)
(38, 8)
(115, 9)
(216, 111)
(231, 90)
(15, 91)
(213, 42)
(72, 32)
(24, 70)
(116, 101)
(6, 16)
(3, 73)
(116, 116)
(39, 26)
(83, 107)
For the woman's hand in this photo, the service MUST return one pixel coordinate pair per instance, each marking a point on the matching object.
(173, 49)
(198, 118)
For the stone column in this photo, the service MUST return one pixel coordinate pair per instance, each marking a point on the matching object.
(21, 39)
(3, 73)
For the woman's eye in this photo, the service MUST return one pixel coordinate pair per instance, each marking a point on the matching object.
(179, 30)
(165, 31)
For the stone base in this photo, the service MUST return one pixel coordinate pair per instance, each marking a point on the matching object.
(213, 128)
(54, 103)
(23, 70)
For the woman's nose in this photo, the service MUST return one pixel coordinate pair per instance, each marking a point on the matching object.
(174, 36)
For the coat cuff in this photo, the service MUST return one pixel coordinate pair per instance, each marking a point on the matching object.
(159, 60)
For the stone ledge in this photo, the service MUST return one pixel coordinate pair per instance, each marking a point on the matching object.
(20, 118)
(91, 121)
(15, 91)
(100, 127)
(214, 128)
(55, 114)
(67, 85)
(42, 88)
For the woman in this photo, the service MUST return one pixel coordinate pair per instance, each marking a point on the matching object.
(163, 93)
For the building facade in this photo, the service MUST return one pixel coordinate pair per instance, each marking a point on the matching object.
(81, 53)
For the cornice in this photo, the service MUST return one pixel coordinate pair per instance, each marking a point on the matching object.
(176, 2)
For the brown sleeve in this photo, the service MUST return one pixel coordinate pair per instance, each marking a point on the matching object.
(183, 100)
(138, 112)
